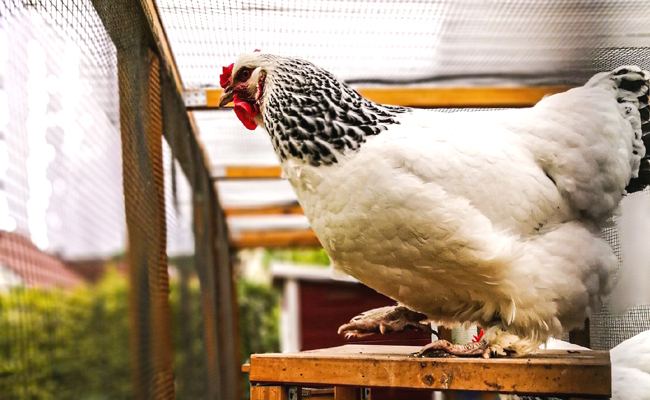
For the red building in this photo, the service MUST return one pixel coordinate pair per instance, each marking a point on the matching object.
(315, 303)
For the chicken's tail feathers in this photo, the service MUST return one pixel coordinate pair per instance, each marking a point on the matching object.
(632, 86)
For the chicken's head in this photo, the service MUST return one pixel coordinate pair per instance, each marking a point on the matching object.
(243, 83)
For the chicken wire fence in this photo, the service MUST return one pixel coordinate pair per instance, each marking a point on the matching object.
(534, 41)
(109, 234)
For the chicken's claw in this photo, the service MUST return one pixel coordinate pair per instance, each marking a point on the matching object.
(385, 320)
(473, 349)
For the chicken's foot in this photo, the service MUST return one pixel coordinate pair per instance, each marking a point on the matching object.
(473, 349)
(385, 320)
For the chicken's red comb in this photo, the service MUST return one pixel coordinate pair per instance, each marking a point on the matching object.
(226, 75)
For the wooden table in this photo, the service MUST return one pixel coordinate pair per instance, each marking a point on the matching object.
(577, 374)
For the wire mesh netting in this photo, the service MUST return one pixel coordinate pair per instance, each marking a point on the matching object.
(63, 295)
(407, 41)
(185, 288)
(82, 316)
(626, 312)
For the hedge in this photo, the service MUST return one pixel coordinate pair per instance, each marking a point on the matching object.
(74, 344)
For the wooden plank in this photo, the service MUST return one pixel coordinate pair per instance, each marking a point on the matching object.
(321, 392)
(158, 32)
(146, 33)
(141, 133)
(212, 97)
(246, 172)
(548, 372)
(461, 97)
(268, 393)
(438, 97)
(226, 301)
(295, 238)
(346, 393)
(293, 209)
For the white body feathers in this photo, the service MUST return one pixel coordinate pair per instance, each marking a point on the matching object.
(631, 368)
(490, 217)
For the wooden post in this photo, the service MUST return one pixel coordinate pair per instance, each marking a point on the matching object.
(135, 28)
(204, 242)
(141, 131)
(544, 373)
(268, 393)
(346, 393)
(141, 127)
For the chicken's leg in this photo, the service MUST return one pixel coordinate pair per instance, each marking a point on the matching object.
(386, 320)
(397, 319)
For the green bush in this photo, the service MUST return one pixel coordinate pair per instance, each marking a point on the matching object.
(259, 312)
(74, 344)
(313, 257)
(57, 344)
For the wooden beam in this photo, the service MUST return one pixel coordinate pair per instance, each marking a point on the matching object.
(293, 209)
(158, 31)
(141, 133)
(346, 393)
(558, 373)
(461, 97)
(268, 393)
(439, 97)
(246, 172)
(213, 258)
(295, 238)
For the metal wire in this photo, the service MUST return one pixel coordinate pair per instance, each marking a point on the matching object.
(407, 41)
(65, 322)
(61, 206)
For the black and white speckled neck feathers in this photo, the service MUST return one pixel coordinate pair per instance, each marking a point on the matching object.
(312, 116)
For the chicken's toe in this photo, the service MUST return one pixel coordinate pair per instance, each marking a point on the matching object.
(473, 349)
(385, 320)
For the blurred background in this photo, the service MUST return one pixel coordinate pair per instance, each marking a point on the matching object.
(150, 259)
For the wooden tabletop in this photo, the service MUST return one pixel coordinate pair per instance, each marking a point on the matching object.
(548, 372)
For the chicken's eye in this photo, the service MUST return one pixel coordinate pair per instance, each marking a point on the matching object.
(245, 74)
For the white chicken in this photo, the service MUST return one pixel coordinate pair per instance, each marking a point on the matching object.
(490, 217)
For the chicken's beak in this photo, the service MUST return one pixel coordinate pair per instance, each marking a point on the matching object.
(227, 96)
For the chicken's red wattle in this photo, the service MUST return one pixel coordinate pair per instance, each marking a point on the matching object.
(246, 112)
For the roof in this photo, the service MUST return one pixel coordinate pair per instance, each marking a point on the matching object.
(34, 267)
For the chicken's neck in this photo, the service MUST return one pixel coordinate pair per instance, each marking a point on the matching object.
(312, 116)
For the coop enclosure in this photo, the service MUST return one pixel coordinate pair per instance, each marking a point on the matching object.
(125, 193)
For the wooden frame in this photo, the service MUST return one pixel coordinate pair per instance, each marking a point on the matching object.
(294, 209)
(576, 374)
(292, 238)
(161, 96)
(434, 97)
(248, 172)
